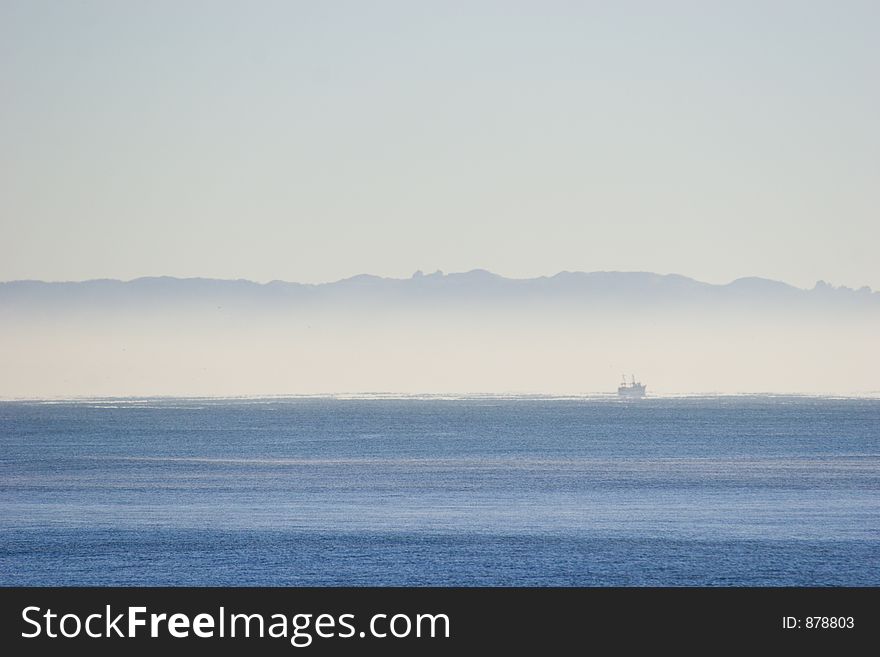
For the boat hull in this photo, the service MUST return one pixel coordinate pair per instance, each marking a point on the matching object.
(632, 392)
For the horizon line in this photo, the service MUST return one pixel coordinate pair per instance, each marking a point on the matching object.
(447, 395)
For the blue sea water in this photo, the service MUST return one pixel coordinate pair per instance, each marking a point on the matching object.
(472, 491)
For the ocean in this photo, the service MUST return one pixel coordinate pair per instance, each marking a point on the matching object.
(471, 491)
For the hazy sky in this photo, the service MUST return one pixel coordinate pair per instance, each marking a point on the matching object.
(310, 141)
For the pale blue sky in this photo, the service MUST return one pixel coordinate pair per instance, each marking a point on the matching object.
(310, 141)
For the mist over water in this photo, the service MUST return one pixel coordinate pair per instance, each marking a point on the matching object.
(460, 333)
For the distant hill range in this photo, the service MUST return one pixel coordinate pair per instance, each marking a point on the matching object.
(478, 284)
(477, 289)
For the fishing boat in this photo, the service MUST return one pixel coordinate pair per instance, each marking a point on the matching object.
(632, 389)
